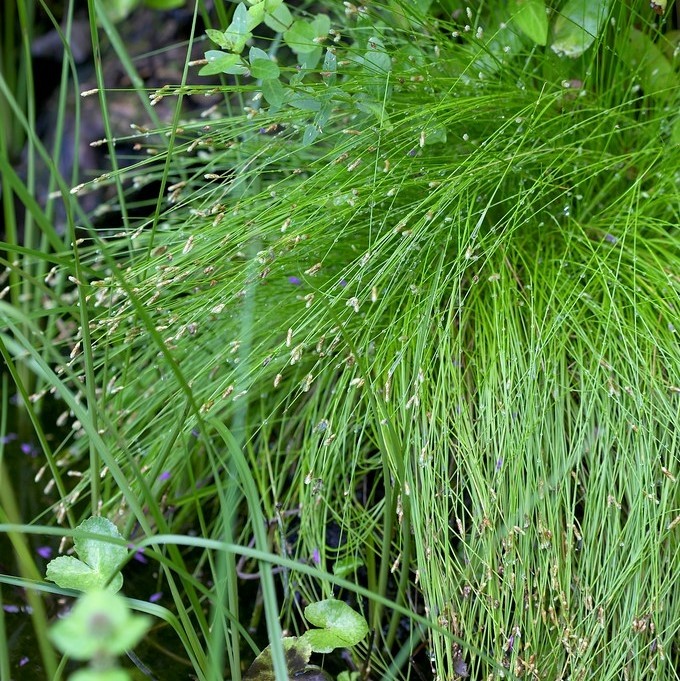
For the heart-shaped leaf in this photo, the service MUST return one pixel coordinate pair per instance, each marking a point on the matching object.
(342, 626)
(99, 560)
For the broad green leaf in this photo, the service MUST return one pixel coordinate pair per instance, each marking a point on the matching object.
(261, 65)
(300, 37)
(297, 654)
(273, 92)
(435, 134)
(272, 5)
(375, 58)
(99, 559)
(256, 53)
(218, 38)
(310, 134)
(264, 69)
(238, 33)
(654, 71)
(342, 626)
(255, 15)
(669, 44)
(100, 623)
(310, 60)
(321, 25)
(279, 19)
(531, 18)
(300, 100)
(222, 62)
(70, 573)
(374, 108)
(577, 25)
(329, 68)
(101, 555)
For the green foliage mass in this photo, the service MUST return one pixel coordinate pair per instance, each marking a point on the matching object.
(401, 330)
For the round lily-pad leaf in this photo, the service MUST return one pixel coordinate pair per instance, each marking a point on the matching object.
(98, 560)
(342, 626)
(100, 623)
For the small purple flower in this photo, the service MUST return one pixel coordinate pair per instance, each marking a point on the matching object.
(140, 557)
(155, 597)
(6, 439)
(412, 152)
(44, 552)
(316, 557)
(499, 463)
(195, 432)
(165, 475)
(24, 661)
(342, 283)
(296, 281)
(610, 238)
(12, 609)
(29, 449)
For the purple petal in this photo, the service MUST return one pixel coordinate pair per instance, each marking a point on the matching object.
(342, 283)
(155, 597)
(6, 439)
(24, 661)
(165, 475)
(28, 449)
(296, 281)
(316, 557)
(140, 557)
(44, 552)
(13, 609)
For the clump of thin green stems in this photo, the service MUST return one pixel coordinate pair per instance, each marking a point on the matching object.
(434, 351)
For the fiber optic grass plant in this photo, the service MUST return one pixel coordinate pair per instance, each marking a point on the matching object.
(411, 321)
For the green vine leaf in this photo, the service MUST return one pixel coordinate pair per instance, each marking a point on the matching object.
(278, 19)
(98, 560)
(273, 92)
(261, 66)
(238, 32)
(300, 37)
(222, 62)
